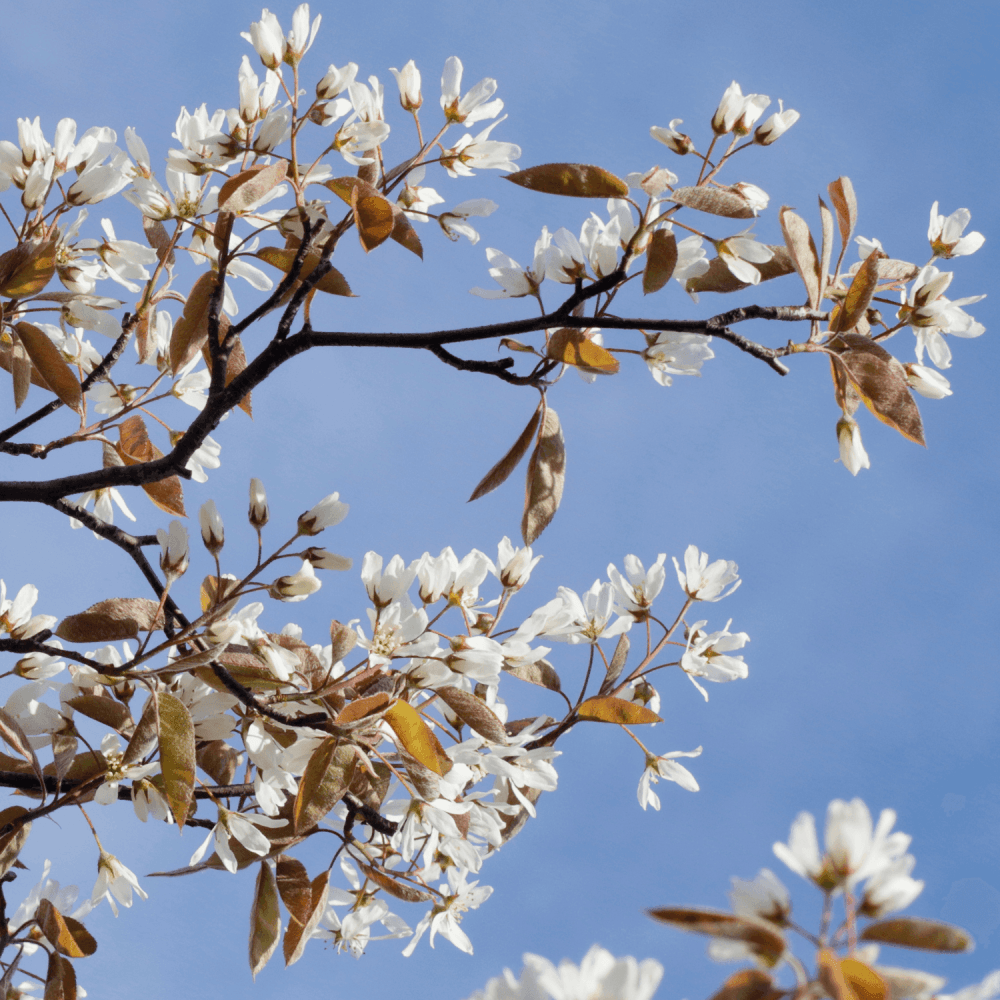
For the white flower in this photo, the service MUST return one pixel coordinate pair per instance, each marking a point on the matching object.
(453, 222)
(706, 656)
(852, 451)
(258, 513)
(764, 897)
(475, 106)
(854, 851)
(114, 882)
(636, 594)
(665, 767)
(242, 828)
(945, 234)
(515, 282)
(677, 354)
(926, 381)
(480, 151)
(205, 457)
(586, 619)
(706, 582)
(891, 889)
(390, 584)
(116, 771)
(444, 918)
(600, 976)
(739, 253)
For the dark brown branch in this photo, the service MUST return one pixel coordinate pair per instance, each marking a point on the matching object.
(107, 363)
(36, 644)
(278, 352)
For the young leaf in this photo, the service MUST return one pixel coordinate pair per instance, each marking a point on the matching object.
(144, 736)
(235, 364)
(265, 919)
(859, 296)
(14, 736)
(764, 939)
(27, 269)
(748, 984)
(177, 755)
(865, 983)
(243, 191)
(325, 780)
(48, 361)
(826, 252)
(714, 201)
(12, 842)
(475, 713)
(106, 710)
(499, 473)
(661, 259)
(298, 933)
(574, 347)
(916, 932)
(111, 620)
(617, 664)
(541, 672)
(831, 976)
(294, 887)
(404, 233)
(134, 448)
(191, 330)
(802, 249)
(333, 282)
(22, 372)
(545, 479)
(578, 180)
(718, 277)
(845, 204)
(880, 381)
(361, 707)
(158, 238)
(218, 760)
(60, 979)
(417, 738)
(68, 936)
(373, 218)
(400, 890)
(618, 710)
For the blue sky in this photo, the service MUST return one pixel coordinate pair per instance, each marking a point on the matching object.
(868, 600)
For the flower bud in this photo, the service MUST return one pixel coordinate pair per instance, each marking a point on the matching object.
(676, 141)
(927, 382)
(775, 126)
(212, 532)
(328, 512)
(408, 79)
(852, 451)
(322, 559)
(267, 38)
(296, 587)
(258, 513)
(174, 554)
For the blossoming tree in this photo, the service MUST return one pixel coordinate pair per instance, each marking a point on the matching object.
(392, 745)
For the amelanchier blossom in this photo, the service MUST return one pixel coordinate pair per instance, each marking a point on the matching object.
(945, 234)
(703, 581)
(852, 451)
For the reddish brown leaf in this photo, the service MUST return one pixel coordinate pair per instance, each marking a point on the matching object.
(27, 269)
(297, 934)
(545, 479)
(845, 204)
(714, 201)
(763, 938)
(246, 188)
(880, 381)
(68, 936)
(617, 710)
(499, 473)
(859, 296)
(802, 250)
(265, 919)
(661, 259)
(541, 672)
(577, 180)
(60, 979)
(111, 620)
(916, 932)
(373, 218)
(398, 889)
(574, 347)
(191, 330)
(177, 755)
(474, 712)
(49, 362)
(333, 282)
(416, 737)
(324, 782)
